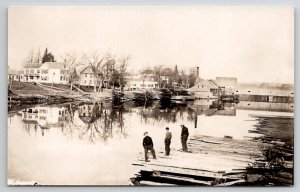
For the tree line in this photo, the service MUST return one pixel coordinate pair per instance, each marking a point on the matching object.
(107, 68)
(111, 71)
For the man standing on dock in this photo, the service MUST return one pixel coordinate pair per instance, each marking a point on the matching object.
(184, 137)
(148, 145)
(168, 141)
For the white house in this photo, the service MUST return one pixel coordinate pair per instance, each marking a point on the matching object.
(54, 72)
(32, 72)
(48, 72)
(136, 82)
(90, 77)
(15, 75)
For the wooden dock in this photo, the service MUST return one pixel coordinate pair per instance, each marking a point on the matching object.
(211, 161)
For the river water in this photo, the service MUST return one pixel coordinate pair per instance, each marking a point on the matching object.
(95, 143)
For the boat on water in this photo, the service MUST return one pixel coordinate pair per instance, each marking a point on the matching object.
(182, 95)
(118, 97)
(164, 94)
(229, 98)
(144, 95)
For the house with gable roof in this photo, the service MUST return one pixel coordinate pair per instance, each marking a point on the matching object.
(54, 72)
(90, 76)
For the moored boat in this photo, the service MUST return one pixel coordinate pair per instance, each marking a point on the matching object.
(182, 95)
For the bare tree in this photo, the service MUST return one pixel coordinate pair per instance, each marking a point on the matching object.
(122, 67)
(72, 61)
(95, 61)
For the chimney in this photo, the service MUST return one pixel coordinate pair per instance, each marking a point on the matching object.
(197, 76)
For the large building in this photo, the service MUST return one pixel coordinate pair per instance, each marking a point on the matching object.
(141, 81)
(48, 72)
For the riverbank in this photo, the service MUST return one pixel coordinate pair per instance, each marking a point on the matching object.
(30, 93)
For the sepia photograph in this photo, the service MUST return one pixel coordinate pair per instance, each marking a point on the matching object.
(150, 96)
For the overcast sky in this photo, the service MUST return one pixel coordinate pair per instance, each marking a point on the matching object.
(254, 44)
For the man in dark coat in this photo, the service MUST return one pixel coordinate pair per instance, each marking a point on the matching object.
(168, 141)
(184, 137)
(148, 145)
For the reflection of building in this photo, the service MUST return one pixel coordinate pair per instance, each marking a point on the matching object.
(213, 107)
(263, 106)
(89, 113)
(44, 116)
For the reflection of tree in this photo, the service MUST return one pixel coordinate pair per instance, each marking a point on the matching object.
(168, 113)
(97, 122)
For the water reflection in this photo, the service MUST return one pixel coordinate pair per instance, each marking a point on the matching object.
(92, 121)
(100, 131)
(99, 121)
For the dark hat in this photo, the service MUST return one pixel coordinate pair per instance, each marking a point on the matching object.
(145, 133)
(167, 128)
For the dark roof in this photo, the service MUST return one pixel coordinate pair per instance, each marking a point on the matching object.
(55, 65)
(14, 72)
(88, 119)
(30, 121)
(93, 68)
(207, 83)
(32, 65)
(166, 71)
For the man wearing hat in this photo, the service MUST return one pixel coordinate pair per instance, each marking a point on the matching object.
(148, 145)
(184, 137)
(168, 141)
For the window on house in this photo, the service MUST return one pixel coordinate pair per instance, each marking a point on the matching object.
(38, 71)
(61, 78)
(85, 75)
(32, 71)
(91, 75)
(90, 82)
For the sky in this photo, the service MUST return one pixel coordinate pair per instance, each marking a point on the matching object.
(254, 44)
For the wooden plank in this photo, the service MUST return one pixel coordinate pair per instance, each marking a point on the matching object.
(231, 183)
